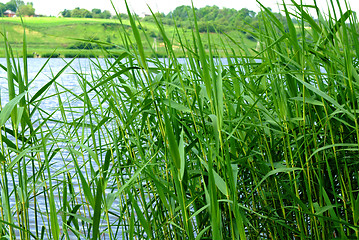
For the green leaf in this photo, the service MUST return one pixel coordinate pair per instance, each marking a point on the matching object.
(6, 111)
(137, 36)
(308, 100)
(47, 85)
(176, 106)
(85, 186)
(220, 183)
(275, 171)
(97, 211)
(173, 146)
(18, 158)
(326, 97)
(182, 157)
(356, 210)
(20, 111)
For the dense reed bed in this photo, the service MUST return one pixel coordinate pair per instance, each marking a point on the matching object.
(264, 147)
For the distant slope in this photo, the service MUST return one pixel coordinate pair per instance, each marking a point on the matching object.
(46, 34)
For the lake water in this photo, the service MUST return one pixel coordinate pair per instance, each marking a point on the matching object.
(69, 80)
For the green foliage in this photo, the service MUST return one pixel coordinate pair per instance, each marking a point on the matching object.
(210, 18)
(83, 13)
(26, 10)
(66, 13)
(213, 19)
(2, 9)
(263, 145)
(79, 55)
(83, 45)
(96, 11)
(50, 55)
(19, 7)
(12, 5)
(105, 14)
(45, 34)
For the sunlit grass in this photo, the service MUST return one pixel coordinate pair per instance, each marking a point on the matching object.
(44, 34)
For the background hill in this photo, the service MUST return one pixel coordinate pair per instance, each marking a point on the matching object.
(70, 36)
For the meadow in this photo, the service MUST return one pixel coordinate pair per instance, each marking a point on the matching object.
(264, 146)
(68, 37)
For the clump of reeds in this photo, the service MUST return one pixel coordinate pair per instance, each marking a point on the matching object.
(262, 147)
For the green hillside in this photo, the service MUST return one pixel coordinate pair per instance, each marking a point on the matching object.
(72, 36)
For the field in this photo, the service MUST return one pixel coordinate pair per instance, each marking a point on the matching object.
(263, 146)
(45, 34)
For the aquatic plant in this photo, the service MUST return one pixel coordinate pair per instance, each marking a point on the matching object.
(262, 145)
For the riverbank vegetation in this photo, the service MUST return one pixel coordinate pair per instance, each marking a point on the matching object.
(263, 146)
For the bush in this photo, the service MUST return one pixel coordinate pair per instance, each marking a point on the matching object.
(80, 55)
(50, 55)
(250, 37)
(84, 45)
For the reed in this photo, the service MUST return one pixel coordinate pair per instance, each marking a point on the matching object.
(262, 147)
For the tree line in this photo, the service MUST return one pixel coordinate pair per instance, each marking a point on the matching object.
(19, 7)
(84, 13)
(210, 18)
(214, 19)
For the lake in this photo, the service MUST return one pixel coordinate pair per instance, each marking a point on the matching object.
(63, 159)
(67, 80)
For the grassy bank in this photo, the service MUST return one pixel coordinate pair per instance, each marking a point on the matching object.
(72, 36)
(262, 149)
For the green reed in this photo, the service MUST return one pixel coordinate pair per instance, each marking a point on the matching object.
(263, 147)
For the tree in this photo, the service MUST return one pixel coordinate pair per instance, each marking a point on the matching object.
(85, 13)
(76, 13)
(2, 9)
(81, 13)
(181, 12)
(106, 14)
(96, 11)
(121, 15)
(11, 6)
(26, 10)
(66, 13)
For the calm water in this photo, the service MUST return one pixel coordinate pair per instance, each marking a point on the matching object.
(67, 79)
